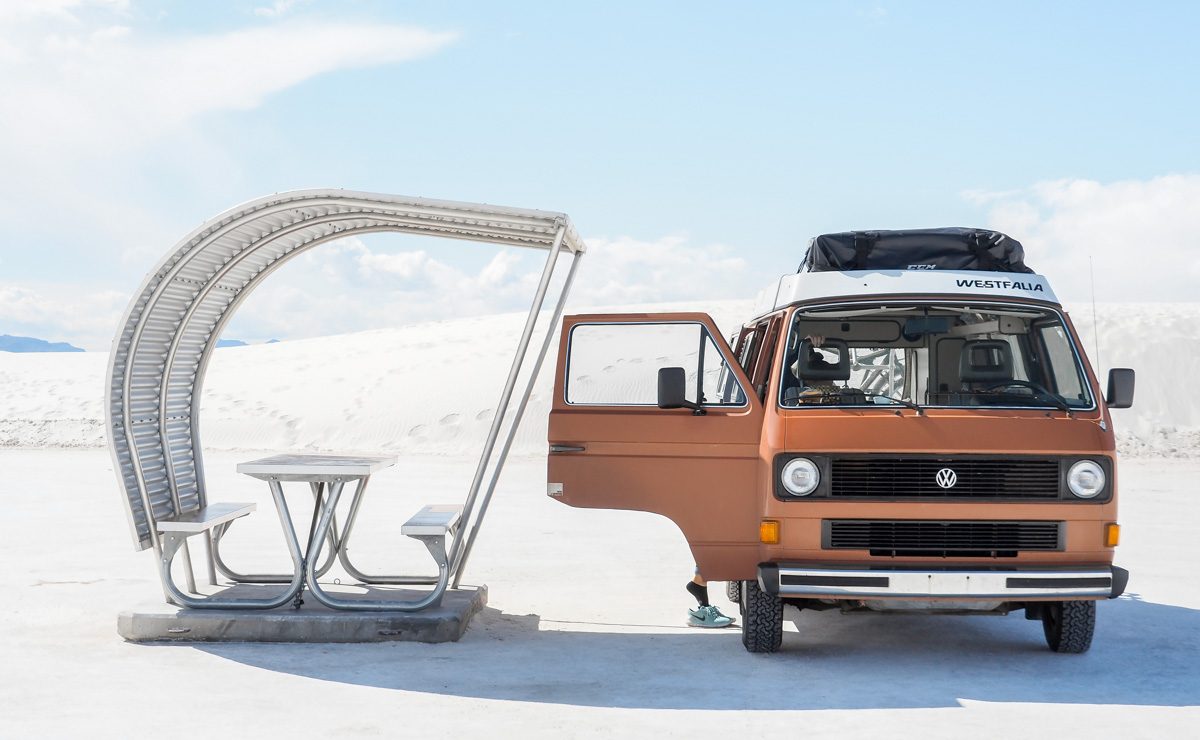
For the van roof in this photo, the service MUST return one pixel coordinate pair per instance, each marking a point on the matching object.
(807, 286)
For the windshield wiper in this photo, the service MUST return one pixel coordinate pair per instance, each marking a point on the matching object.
(907, 404)
(1055, 400)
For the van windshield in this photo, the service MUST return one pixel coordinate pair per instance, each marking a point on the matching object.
(932, 355)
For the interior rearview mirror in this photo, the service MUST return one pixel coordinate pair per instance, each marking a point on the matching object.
(672, 390)
(1120, 388)
(918, 326)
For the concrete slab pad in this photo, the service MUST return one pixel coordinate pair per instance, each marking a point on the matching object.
(312, 622)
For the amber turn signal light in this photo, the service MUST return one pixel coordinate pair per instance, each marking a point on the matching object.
(1112, 535)
(768, 532)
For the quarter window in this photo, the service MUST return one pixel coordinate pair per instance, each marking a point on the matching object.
(1068, 381)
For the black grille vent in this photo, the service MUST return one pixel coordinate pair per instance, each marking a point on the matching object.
(995, 478)
(941, 538)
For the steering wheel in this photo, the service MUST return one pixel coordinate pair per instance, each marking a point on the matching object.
(1037, 389)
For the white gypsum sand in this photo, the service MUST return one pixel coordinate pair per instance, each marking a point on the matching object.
(584, 635)
(432, 388)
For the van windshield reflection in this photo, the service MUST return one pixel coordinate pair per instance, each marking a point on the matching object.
(975, 355)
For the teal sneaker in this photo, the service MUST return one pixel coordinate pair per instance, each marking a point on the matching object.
(708, 616)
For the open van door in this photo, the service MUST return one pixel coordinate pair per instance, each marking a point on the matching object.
(612, 447)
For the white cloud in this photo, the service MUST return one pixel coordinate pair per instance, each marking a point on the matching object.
(67, 10)
(1143, 235)
(74, 88)
(628, 271)
(876, 13)
(276, 9)
(348, 286)
(90, 104)
(97, 108)
(70, 313)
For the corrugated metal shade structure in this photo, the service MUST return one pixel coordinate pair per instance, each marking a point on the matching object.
(158, 359)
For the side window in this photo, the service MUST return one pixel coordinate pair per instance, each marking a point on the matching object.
(748, 346)
(1067, 381)
(749, 354)
(768, 331)
(618, 364)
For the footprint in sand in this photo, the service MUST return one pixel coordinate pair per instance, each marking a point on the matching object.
(450, 419)
(483, 415)
(417, 431)
(293, 433)
(607, 369)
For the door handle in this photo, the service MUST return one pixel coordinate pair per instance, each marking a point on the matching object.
(567, 448)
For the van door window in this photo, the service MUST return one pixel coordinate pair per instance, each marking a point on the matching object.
(618, 364)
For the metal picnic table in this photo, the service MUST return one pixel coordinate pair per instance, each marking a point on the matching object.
(321, 472)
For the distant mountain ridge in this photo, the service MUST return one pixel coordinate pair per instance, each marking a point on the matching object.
(9, 343)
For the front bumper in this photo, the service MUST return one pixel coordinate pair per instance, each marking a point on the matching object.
(790, 580)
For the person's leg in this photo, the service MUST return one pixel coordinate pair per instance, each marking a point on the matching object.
(698, 587)
(704, 615)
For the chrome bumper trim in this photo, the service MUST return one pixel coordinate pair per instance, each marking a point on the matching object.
(787, 580)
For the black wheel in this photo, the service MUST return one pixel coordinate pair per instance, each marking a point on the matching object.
(733, 590)
(1069, 625)
(762, 619)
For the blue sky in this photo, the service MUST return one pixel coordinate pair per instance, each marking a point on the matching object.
(709, 139)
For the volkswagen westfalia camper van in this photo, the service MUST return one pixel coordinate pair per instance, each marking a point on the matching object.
(908, 423)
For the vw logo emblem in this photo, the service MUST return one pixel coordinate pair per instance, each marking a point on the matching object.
(946, 478)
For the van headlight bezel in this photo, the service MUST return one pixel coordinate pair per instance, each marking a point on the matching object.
(808, 466)
(1076, 477)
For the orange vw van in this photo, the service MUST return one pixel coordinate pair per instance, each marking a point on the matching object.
(907, 424)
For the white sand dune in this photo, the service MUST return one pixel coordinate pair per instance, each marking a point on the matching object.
(584, 634)
(581, 638)
(432, 388)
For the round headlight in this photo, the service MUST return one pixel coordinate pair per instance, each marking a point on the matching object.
(801, 476)
(1085, 479)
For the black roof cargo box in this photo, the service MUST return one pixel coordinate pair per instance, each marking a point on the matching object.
(950, 248)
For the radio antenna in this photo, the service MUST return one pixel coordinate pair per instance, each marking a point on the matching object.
(1095, 322)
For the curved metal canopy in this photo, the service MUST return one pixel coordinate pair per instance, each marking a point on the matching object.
(158, 359)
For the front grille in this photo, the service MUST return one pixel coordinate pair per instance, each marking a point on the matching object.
(909, 477)
(941, 538)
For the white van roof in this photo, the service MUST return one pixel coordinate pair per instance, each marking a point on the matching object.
(806, 286)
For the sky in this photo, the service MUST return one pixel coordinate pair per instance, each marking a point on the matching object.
(696, 146)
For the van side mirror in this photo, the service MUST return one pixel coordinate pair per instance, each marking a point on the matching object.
(672, 390)
(1120, 388)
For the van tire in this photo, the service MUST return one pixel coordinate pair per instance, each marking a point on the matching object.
(733, 590)
(1069, 625)
(762, 619)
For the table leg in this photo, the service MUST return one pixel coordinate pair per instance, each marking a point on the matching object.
(435, 546)
(289, 533)
(218, 563)
(173, 541)
(343, 551)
